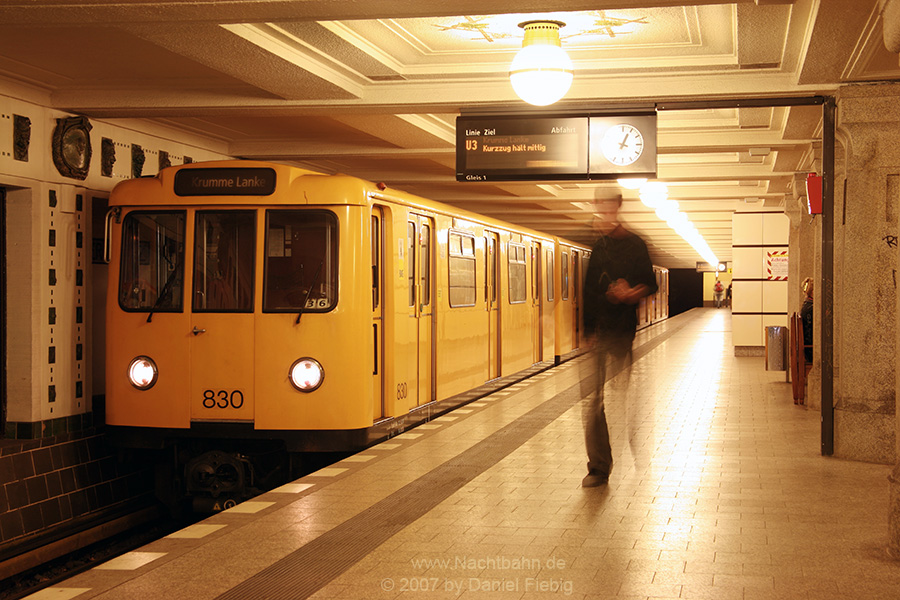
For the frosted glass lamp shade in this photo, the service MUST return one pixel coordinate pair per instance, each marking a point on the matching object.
(541, 73)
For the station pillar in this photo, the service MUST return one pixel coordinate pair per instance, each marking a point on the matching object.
(866, 300)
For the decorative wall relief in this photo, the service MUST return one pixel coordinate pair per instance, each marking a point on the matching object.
(72, 147)
(164, 160)
(137, 160)
(107, 157)
(21, 137)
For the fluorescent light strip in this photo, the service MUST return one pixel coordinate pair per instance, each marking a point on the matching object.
(655, 195)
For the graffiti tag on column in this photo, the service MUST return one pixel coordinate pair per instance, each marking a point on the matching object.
(891, 240)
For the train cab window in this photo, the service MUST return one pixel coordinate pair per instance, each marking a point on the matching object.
(564, 275)
(550, 279)
(224, 255)
(462, 269)
(301, 261)
(518, 284)
(152, 265)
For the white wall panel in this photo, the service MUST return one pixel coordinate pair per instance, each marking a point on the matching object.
(775, 228)
(775, 297)
(746, 296)
(747, 263)
(747, 330)
(746, 229)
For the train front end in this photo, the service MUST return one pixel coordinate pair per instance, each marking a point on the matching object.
(232, 311)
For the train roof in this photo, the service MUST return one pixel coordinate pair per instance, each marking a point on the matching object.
(240, 182)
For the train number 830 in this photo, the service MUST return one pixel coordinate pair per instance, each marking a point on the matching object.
(223, 399)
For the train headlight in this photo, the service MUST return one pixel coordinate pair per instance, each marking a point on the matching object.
(306, 374)
(142, 372)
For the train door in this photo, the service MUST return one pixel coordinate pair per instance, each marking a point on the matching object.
(492, 300)
(222, 315)
(537, 325)
(377, 235)
(420, 249)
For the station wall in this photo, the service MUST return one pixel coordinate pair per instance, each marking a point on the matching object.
(57, 474)
(53, 246)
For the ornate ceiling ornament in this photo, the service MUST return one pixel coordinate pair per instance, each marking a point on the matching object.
(580, 24)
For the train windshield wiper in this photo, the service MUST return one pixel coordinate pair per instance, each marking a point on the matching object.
(167, 287)
(309, 291)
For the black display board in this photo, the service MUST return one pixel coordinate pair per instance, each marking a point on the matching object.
(554, 147)
(511, 148)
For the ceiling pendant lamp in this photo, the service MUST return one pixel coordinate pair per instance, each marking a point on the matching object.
(542, 72)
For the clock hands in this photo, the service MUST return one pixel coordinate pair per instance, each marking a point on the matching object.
(622, 144)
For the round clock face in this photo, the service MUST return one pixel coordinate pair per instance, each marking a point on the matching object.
(622, 144)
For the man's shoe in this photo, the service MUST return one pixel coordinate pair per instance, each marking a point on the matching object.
(594, 480)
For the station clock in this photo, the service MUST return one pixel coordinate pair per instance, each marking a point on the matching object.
(623, 144)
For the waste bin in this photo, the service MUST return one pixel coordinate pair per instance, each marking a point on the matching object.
(776, 348)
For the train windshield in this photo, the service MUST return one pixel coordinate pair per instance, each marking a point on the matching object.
(224, 253)
(301, 261)
(152, 264)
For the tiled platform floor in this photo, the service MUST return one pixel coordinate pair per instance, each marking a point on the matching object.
(718, 491)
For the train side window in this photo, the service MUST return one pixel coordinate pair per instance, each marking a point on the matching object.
(425, 264)
(411, 261)
(151, 275)
(490, 270)
(376, 260)
(461, 269)
(564, 275)
(518, 284)
(224, 260)
(301, 266)
(550, 280)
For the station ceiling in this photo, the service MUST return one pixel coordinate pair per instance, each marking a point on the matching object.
(373, 89)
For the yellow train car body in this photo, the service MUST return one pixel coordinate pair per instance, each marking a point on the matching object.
(258, 302)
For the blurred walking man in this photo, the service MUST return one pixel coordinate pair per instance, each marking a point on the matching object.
(618, 275)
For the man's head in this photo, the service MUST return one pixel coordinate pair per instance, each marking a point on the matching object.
(606, 211)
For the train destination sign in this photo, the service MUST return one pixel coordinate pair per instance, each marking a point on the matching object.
(243, 181)
(577, 147)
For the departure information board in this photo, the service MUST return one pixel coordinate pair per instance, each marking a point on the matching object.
(512, 148)
(565, 147)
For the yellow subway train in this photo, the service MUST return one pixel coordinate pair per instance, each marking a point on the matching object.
(257, 312)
